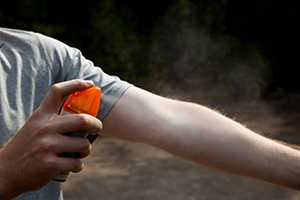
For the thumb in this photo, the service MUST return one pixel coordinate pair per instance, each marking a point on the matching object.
(59, 91)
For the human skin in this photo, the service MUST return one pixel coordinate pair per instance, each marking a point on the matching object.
(188, 130)
(199, 134)
(36, 148)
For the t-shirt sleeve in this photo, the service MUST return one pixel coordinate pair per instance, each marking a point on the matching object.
(68, 63)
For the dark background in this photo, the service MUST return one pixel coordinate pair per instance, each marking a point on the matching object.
(137, 39)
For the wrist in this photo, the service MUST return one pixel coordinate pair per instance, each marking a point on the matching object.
(6, 192)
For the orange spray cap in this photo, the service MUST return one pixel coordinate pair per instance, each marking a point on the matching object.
(84, 101)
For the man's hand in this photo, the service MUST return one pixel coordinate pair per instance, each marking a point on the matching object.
(32, 158)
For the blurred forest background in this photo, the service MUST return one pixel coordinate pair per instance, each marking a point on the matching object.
(240, 57)
(222, 43)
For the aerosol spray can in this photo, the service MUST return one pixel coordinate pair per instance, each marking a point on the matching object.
(86, 101)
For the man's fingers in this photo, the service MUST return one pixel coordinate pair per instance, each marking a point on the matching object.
(59, 91)
(67, 144)
(76, 123)
(69, 164)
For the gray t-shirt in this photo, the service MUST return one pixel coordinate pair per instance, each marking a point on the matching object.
(29, 64)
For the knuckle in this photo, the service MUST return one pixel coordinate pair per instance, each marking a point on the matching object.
(46, 145)
(78, 82)
(83, 120)
(89, 122)
(50, 163)
(44, 129)
(55, 89)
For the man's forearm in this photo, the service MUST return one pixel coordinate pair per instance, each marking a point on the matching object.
(203, 136)
(207, 137)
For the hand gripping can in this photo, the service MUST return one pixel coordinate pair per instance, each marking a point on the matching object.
(85, 101)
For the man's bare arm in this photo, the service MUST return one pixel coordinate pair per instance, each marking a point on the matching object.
(202, 135)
